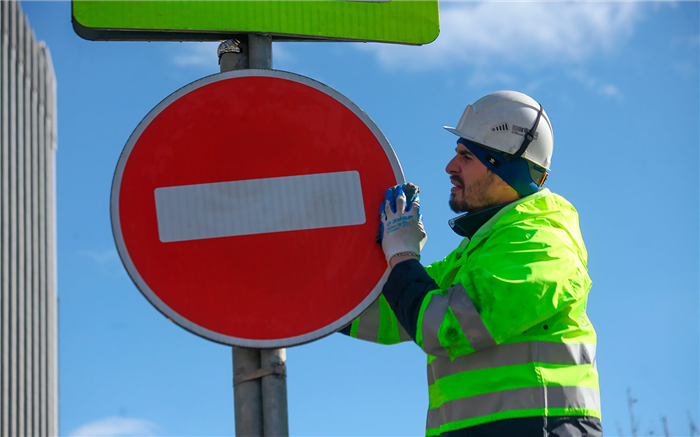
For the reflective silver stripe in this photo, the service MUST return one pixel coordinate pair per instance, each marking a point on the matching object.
(565, 353)
(403, 335)
(467, 316)
(369, 324)
(512, 354)
(432, 319)
(516, 399)
(368, 327)
(389, 316)
(469, 319)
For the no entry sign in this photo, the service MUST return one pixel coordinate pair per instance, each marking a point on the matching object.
(244, 207)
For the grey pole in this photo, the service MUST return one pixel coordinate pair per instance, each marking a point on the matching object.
(259, 51)
(260, 376)
(274, 390)
(247, 394)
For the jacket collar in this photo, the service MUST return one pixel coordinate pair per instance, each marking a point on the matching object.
(467, 224)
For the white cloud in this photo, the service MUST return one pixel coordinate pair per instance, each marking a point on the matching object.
(663, 3)
(593, 84)
(199, 54)
(686, 69)
(105, 261)
(691, 42)
(528, 35)
(117, 426)
(694, 40)
(102, 258)
(281, 53)
(608, 90)
(482, 78)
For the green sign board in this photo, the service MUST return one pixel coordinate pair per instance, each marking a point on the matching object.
(395, 21)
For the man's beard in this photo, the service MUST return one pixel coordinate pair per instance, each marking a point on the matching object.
(476, 193)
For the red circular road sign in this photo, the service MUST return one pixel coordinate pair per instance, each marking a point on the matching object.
(244, 207)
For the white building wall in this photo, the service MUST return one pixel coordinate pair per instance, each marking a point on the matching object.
(28, 302)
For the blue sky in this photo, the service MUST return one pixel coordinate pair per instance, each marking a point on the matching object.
(620, 84)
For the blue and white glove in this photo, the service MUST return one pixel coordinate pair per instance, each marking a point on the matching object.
(401, 228)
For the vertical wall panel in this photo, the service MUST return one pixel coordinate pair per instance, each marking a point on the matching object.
(4, 219)
(20, 210)
(28, 302)
(14, 27)
(28, 236)
(36, 355)
(4, 215)
(52, 273)
(43, 380)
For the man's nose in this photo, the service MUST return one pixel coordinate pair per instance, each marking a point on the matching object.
(452, 167)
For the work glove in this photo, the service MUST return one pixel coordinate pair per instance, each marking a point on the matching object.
(401, 228)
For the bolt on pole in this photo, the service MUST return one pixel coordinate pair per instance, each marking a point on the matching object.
(260, 376)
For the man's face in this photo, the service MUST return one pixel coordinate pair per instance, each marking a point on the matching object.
(475, 187)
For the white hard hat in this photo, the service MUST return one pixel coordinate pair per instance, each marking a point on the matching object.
(503, 121)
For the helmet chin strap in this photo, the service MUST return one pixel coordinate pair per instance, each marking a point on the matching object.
(529, 137)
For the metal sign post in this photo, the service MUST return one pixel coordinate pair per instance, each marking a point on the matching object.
(259, 375)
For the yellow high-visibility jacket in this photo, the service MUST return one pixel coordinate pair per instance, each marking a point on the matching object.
(502, 319)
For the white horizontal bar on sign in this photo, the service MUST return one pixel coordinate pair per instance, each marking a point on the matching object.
(259, 206)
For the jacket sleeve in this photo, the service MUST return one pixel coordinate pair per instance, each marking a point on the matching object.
(521, 277)
(377, 324)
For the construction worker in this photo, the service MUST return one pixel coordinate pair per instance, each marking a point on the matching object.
(511, 351)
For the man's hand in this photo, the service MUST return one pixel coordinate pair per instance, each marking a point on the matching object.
(402, 230)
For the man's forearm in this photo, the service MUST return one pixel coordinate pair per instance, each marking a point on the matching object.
(405, 289)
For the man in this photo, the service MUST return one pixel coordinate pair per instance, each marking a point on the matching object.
(502, 318)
